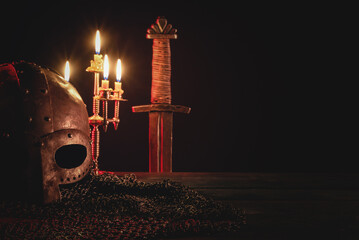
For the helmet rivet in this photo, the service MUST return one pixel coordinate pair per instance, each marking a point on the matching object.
(47, 119)
(69, 135)
(30, 119)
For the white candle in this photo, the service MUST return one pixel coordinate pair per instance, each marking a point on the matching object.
(105, 84)
(118, 86)
(97, 58)
(98, 62)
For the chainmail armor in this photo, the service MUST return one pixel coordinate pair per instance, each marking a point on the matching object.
(112, 207)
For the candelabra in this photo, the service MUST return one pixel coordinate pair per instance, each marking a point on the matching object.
(103, 95)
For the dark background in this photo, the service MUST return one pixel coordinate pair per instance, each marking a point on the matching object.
(264, 82)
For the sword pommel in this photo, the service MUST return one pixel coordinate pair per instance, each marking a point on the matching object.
(161, 30)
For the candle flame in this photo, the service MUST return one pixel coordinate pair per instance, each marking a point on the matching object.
(106, 67)
(118, 70)
(67, 71)
(98, 42)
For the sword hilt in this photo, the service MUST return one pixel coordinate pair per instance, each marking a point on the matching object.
(161, 33)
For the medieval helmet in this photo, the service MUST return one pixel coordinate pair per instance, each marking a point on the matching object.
(44, 133)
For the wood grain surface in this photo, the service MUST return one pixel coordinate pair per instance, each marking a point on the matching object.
(280, 205)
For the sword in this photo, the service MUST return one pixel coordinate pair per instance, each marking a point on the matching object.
(161, 110)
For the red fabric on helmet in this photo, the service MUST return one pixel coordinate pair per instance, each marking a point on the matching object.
(8, 74)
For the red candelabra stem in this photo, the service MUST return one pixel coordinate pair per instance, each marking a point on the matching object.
(95, 147)
(116, 118)
(96, 103)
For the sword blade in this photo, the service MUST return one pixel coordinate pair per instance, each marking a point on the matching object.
(160, 141)
(166, 141)
(154, 141)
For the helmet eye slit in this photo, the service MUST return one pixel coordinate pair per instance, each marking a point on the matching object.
(70, 156)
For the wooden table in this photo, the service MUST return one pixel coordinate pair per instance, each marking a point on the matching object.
(281, 205)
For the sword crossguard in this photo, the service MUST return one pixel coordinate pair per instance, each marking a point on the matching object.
(161, 108)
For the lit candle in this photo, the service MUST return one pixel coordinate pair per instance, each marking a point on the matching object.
(67, 71)
(118, 84)
(98, 56)
(97, 42)
(106, 69)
